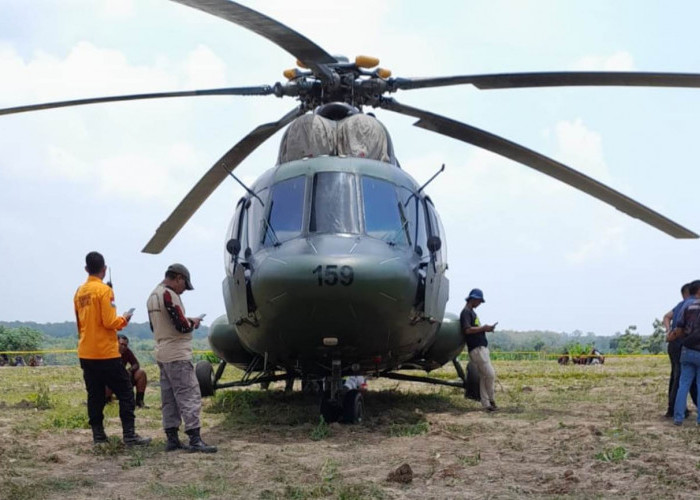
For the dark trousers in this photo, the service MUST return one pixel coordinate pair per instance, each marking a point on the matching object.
(674, 354)
(101, 373)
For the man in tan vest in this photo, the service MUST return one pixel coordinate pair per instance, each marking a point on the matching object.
(179, 389)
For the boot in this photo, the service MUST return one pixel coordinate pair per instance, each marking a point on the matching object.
(130, 437)
(139, 400)
(174, 442)
(196, 443)
(98, 435)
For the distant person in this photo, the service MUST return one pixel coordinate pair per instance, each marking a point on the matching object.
(4, 360)
(138, 376)
(355, 382)
(19, 361)
(179, 389)
(595, 357)
(689, 322)
(670, 321)
(98, 351)
(475, 336)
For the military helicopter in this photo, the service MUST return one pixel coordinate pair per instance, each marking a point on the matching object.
(336, 256)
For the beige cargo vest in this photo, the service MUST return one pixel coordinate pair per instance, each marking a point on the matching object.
(171, 345)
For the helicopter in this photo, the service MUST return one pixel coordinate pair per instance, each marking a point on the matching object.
(336, 256)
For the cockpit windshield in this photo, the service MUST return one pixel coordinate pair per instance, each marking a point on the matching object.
(384, 214)
(286, 211)
(333, 204)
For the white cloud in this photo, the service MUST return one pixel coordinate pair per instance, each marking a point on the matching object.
(581, 148)
(619, 61)
(64, 164)
(87, 70)
(204, 69)
(609, 240)
(118, 9)
(143, 177)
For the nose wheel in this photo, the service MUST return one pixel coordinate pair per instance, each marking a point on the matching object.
(348, 408)
(353, 407)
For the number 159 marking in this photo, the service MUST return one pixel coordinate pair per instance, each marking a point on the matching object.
(332, 275)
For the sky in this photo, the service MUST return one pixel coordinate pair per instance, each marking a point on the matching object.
(103, 177)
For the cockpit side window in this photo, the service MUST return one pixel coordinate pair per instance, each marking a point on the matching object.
(334, 204)
(436, 229)
(385, 217)
(286, 211)
(234, 232)
(256, 220)
(415, 213)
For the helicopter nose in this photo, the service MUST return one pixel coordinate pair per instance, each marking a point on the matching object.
(335, 268)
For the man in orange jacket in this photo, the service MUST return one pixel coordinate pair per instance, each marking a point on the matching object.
(98, 351)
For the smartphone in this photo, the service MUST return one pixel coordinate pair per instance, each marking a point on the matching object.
(201, 316)
(131, 311)
(494, 325)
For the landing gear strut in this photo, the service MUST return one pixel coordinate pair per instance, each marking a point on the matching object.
(339, 404)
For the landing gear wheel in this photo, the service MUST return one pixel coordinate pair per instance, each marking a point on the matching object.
(330, 410)
(309, 386)
(471, 384)
(289, 384)
(205, 376)
(353, 407)
(266, 385)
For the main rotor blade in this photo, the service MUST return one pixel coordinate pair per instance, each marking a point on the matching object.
(211, 180)
(258, 90)
(554, 79)
(541, 163)
(306, 51)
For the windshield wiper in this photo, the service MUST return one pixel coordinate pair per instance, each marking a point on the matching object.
(269, 229)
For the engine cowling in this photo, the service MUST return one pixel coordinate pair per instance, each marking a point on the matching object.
(225, 342)
(448, 343)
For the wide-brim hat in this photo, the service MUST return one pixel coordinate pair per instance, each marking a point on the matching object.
(476, 294)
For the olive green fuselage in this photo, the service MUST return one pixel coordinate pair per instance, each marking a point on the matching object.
(303, 298)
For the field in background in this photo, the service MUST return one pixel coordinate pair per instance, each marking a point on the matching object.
(563, 431)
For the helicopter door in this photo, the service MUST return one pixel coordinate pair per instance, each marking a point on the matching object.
(238, 289)
(436, 283)
(234, 285)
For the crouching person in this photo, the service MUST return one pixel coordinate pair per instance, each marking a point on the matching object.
(179, 389)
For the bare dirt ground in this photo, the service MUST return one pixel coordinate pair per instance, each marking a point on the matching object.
(563, 432)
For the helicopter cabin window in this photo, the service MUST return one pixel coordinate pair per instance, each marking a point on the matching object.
(385, 217)
(333, 204)
(286, 210)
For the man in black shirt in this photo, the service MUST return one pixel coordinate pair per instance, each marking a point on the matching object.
(475, 335)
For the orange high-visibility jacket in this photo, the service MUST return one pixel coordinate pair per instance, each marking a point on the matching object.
(97, 319)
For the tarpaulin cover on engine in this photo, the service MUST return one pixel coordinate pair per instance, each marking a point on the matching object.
(359, 135)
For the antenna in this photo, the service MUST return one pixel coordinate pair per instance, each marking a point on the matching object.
(442, 169)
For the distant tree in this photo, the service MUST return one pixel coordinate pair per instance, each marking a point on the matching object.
(655, 342)
(630, 342)
(538, 345)
(20, 339)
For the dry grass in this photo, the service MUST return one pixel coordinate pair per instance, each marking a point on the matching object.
(564, 431)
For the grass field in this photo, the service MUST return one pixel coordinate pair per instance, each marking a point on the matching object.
(563, 432)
